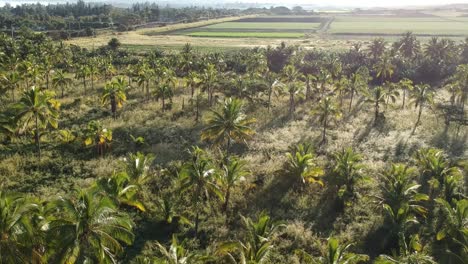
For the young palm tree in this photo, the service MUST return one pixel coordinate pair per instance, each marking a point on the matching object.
(232, 173)
(87, 228)
(164, 91)
(229, 124)
(301, 164)
(348, 171)
(256, 247)
(377, 48)
(98, 136)
(61, 80)
(407, 86)
(377, 98)
(114, 93)
(358, 82)
(177, 254)
(328, 112)
(335, 253)
(17, 230)
(40, 108)
(193, 80)
(209, 78)
(198, 177)
(421, 97)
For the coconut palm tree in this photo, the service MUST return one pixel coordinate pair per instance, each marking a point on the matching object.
(384, 68)
(193, 80)
(87, 228)
(115, 94)
(17, 230)
(228, 125)
(407, 86)
(177, 254)
(327, 112)
(421, 97)
(11, 81)
(358, 83)
(95, 134)
(37, 107)
(164, 91)
(232, 172)
(377, 96)
(335, 253)
(60, 79)
(83, 72)
(198, 177)
(377, 48)
(293, 85)
(348, 171)
(256, 246)
(301, 164)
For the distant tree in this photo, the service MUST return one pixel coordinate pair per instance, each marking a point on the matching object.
(114, 44)
(59, 79)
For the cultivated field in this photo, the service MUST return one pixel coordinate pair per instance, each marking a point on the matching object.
(375, 25)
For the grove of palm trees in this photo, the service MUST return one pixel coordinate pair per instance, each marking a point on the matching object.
(263, 155)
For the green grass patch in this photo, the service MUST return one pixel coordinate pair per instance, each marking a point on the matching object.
(247, 34)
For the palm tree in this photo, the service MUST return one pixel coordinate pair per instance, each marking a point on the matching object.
(377, 97)
(163, 92)
(177, 254)
(407, 86)
(114, 93)
(401, 200)
(11, 81)
(198, 177)
(83, 72)
(209, 78)
(257, 245)
(40, 108)
(327, 111)
(301, 164)
(453, 232)
(293, 85)
(233, 171)
(61, 80)
(335, 254)
(17, 230)
(421, 97)
(192, 81)
(384, 68)
(229, 124)
(348, 171)
(87, 228)
(95, 134)
(358, 82)
(377, 48)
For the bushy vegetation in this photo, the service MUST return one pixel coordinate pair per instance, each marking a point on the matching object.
(267, 155)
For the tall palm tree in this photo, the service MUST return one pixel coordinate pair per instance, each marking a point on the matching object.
(293, 85)
(198, 177)
(114, 93)
(327, 111)
(17, 230)
(301, 164)
(233, 172)
(384, 68)
(377, 48)
(407, 86)
(164, 91)
(11, 81)
(83, 72)
(209, 78)
(40, 108)
(193, 80)
(87, 228)
(358, 82)
(60, 79)
(228, 125)
(377, 96)
(421, 96)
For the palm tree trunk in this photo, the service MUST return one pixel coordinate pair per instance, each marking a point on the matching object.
(62, 90)
(113, 106)
(404, 98)
(37, 139)
(324, 132)
(307, 89)
(351, 100)
(226, 200)
(270, 91)
(419, 118)
(291, 104)
(376, 112)
(84, 85)
(163, 103)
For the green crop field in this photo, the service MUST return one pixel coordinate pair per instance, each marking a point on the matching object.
(263, 25)
(398, 25)
(246, 34)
